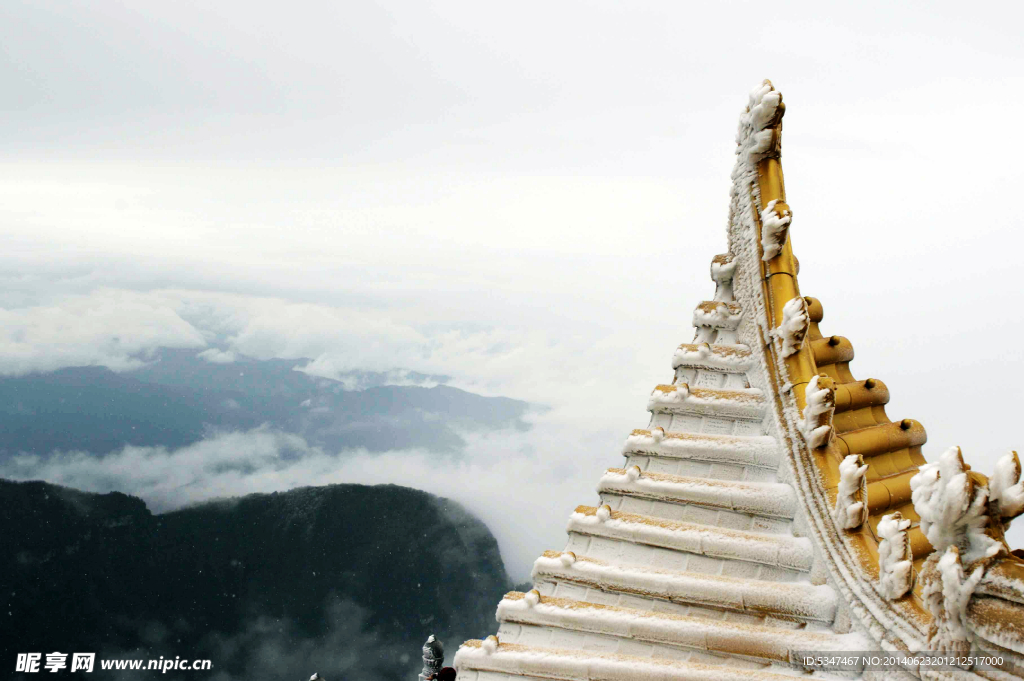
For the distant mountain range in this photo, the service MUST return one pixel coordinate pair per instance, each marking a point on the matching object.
(179, 398)
(345, 580)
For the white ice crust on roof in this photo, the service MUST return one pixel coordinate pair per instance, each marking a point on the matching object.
(895, 567)
(779, 550)
(670, 395)
(717, 357)
(754, 450)
(802, 599)
(774, 226)
(761, 498)
(851, 509)
(794, 326)
(816, 424)
(1006, 489)
(718, 315)
(738, 403)
(585, 665)
(681, 392)
(696, 632)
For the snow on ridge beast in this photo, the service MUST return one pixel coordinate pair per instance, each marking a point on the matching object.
(769, 505)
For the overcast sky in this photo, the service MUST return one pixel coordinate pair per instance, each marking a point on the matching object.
(525, 196)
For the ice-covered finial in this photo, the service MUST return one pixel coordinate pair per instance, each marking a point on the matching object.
(763, 105)
(755, 137)
(723, 268)
(433, 658)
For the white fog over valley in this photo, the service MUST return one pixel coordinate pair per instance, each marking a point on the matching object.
(516, 200)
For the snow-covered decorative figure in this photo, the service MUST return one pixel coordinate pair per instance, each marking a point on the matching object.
(851, 509)
(658, 434)
(633, 473)
(947, 591)
(604, 513)
(895, 560)
(532, 597)
(756, 138)
(567, 558)
(775, 220)
(794, 326)
(953, 507)
(1006, 490)
(816, 424)
(954, 510)
(433, 658)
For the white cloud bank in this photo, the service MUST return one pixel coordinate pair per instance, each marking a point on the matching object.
(108, 328)
(519, 483)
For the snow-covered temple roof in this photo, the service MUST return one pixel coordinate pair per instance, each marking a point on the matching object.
(770, 506)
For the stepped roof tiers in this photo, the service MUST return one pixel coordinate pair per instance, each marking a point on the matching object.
(771, 505)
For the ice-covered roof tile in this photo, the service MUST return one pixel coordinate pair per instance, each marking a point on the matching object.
(579, 665)
(797, 600)
(682, 398)
(726, 358)
(757, 498)
(780, 550)
(750, 450)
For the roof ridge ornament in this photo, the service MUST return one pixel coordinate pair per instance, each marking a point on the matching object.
(816, 424)
(895, 559)
(1006, 490)
(794, 326)
(963, 515)
(851, 509)
(759, 133)
(775, 220)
